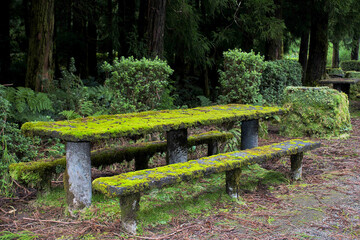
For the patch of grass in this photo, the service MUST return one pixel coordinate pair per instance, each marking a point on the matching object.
(52, 198)
(25, 235)
(252, 176)
(102, 208)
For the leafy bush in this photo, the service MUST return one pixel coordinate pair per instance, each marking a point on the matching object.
(28, 105)
(241, 78)
(350, 65)
(138, 85)
(315, 112)
(276, 76)
(14, 147)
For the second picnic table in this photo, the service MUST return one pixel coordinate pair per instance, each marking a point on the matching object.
(80, 133)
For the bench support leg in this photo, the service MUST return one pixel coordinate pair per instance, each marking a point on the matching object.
(249, 134)
(77, 177)
(296, 166)
(213, 148)
(129, 206)
(177, 149)
(233, 183)
(142, 161)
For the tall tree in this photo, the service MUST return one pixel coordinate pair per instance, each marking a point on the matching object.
(274, 43)
(318, 43)
(39, 74)
(355, 47)
(4, 41)
(297, 15)
(155, 27)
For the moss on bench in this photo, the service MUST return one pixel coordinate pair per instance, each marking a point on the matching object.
(134, 182)
(110, 126)
(38, 173)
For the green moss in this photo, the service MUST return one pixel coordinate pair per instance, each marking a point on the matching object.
(38, 173)
(132, 182)
(316, 112)
(109, 126)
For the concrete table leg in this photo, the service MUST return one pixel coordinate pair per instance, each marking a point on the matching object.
(296, 166)
(177, 149)
(77, 177)
(342, 87)
(249, 134)
(213, 148)
(249, 139)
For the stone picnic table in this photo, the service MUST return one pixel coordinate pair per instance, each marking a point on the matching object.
(80, 133)
(341, 84)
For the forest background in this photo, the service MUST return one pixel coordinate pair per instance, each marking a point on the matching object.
(65, 59)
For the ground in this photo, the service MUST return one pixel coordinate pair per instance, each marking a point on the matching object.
(324, 205)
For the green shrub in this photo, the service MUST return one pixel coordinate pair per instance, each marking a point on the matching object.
(316, 112)
(138, 85)
(276, 76)
(241, 78)
(28, 105)
(350, 65)
(14, 147)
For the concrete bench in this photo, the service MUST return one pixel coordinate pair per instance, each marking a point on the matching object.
(341, 84)
(128, 186)
(39, 173)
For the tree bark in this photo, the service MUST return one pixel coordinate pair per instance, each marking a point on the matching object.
(318, 44)
(92, 43)
(336, 55)
(80, 46)
(126, 14)
(4, 41)
(109, 21)
(156, 27)
(39, 74)
(303, 52)
(355, 49)
(274, 47)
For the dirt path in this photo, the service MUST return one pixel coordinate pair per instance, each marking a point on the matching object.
(324, 205)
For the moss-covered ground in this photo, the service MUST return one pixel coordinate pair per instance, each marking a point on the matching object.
(324, 205)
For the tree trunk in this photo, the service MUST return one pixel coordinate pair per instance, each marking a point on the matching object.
(303, 52)
(80, 46)
(126, 14)
(4, 41)
(274, 47)
(318, 44)
(39, 73)
(355, 49)
(109, 20)
(92, 43)
(155, 27)
(336, 55)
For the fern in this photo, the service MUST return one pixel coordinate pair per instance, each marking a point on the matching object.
(27, 104)
(69, 114)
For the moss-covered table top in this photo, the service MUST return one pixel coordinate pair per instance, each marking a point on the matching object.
(112, 126)
(340, 80)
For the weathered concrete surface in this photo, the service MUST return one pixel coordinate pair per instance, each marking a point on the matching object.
(78, 175)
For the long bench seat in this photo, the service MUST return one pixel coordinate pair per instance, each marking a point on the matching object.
(129, 186)
(38, 173)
